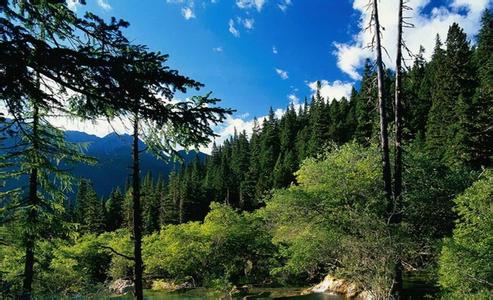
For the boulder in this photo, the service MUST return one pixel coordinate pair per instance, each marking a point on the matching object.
(239, 291)
(169, 286)
(121, 287)
(332, 285)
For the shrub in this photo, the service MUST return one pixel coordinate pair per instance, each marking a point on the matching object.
(466, 261)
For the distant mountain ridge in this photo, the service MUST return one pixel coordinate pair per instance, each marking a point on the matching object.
(114, 156)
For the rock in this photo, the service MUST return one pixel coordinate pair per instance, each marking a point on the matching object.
(365, 295)
(121, 287)
(262, 295)
(332, 285)
(239, 291)
(169, 286)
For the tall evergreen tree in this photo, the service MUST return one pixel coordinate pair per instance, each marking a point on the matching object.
(89, 209)
(447, 135)
(365, 107)
(114, 210)
(481, 122)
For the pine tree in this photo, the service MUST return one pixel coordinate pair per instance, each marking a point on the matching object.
(114, 210)
(417, 98)
(365, 108)
(89, 209)
(481, 121)
(319, 123)
(169, 209)
(447, 134)
(150, 206)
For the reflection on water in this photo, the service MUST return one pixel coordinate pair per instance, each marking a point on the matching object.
(416, 286)
(274, 293)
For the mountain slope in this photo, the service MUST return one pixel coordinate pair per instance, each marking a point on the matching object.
(113, 153)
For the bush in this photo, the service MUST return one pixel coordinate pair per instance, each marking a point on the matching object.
(466, 261)
(428, 200)
(227, 246)
(334, 221)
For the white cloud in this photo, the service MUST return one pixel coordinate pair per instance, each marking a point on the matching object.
(247, 4)
(248, 23)
(98, 128)
(274, 50)
(187, 13)
(218, 49)
(72, 4)
(284, 4)
(235, 32)
(294, 99)
(104, 4)
(335, 90)
(351, 55)
(283, 74)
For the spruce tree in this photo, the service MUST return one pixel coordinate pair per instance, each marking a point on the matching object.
(447, 132)
(365, 107)
(114, 210)
(319, 123)
(481, 121)
(89, 209)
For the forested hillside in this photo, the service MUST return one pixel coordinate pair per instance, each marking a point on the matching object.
(112, 152)
(447, 116)
(395, 182)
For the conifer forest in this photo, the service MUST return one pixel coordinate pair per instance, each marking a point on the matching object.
(386, 193)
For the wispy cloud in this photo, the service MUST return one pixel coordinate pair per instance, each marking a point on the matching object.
(248, 23)
(218, 49)
(187, 13)
(294, 99)
(284, 4)
(274, 50)
(283, 74)
(104, 4)
(72, 4)
(247, 4)
(235, 32)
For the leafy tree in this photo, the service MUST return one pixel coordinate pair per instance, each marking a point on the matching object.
(466, 260)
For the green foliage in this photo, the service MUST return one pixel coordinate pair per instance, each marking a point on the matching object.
(75, 267)
(466, 261)
(430, 187)
(89, 209)
(333, 222)
(227, 246)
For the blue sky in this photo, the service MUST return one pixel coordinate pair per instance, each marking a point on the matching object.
(241, 70)
(254, 54)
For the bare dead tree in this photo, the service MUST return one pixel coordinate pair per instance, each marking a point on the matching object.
(396, 214)
(384, 134)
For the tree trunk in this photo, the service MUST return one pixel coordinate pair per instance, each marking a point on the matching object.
(384, 136)
(137, 214)
(30, 237)
(396, 215)
(398, 122)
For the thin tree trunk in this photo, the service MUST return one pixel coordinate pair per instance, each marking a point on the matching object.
(30, 238)
(398, 122)
(396, 213)
(137, 214)
(384, 136)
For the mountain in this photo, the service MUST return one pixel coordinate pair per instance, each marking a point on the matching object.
(113, 153)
